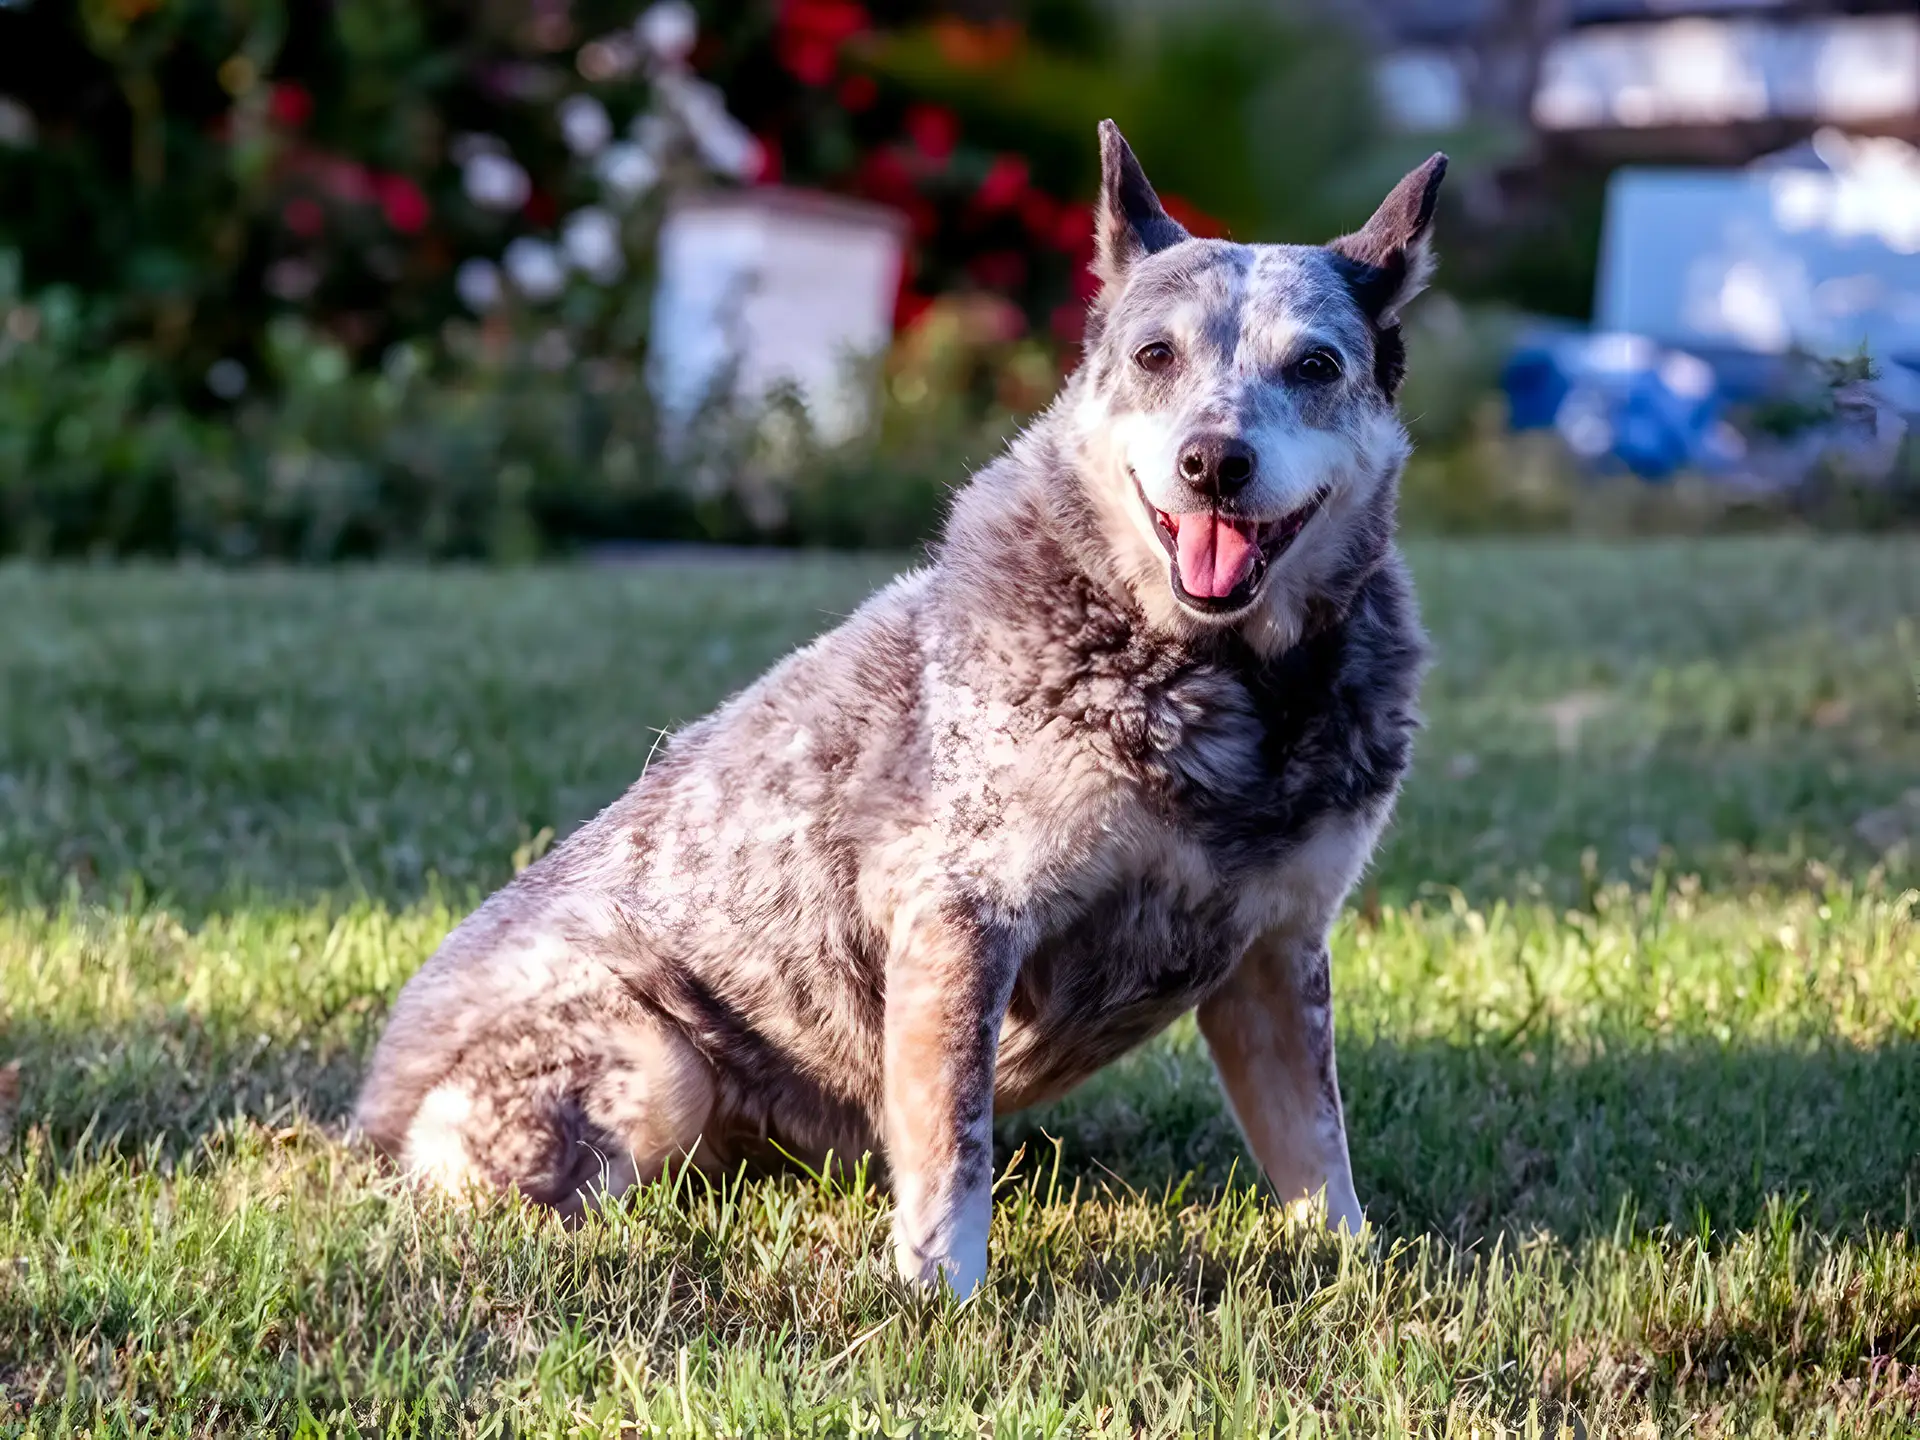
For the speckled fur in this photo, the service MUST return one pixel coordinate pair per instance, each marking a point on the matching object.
(1010, 820)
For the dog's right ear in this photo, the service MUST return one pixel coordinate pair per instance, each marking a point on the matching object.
(1129, 222)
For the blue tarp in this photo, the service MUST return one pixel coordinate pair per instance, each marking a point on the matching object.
(1620, 400)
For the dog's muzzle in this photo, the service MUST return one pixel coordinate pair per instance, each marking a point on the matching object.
(1219, 560)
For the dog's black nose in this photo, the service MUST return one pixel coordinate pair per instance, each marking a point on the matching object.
(1217, 465)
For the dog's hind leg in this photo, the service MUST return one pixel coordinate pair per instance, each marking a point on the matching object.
(568, 1107)
(1270, 1028)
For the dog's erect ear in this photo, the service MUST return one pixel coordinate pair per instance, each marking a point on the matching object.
(1389, 260)
(1128, 221)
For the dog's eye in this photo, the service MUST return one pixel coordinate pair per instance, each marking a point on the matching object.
(1155, 357)
(1317, 367)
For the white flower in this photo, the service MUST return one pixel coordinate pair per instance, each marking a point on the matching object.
(627, 170)
(552, 351)
(609, 58)
(534, 268)
(727, 146)
(653, 133)
(292, 279)
(584, 124)
(227, 378)
(477, 282)
(495, 182)
(16, 123)
(468, 145)
(591, 239)
(668, 30)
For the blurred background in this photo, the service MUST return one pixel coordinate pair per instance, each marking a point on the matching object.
(530, 277)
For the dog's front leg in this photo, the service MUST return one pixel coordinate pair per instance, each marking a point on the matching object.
(1270, 1028)
(948, 980)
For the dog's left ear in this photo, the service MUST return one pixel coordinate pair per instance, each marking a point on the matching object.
(1389, 260)
(1129, 222)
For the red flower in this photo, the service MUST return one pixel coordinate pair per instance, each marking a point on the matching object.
(830, 20)
(884, 176)
(999, 269)
(767, 163)
(934, 130)
(1005, 184)
(1086, 284)
(921, 215)
(1073, 230)
(1040, 214)
(402, 203)
(909, 306)
(808, 60)
(541, 210)
(347, 181)
(858, 92)
(290, 105)
(811, 34)
(1069, 323)
(304, 217)
(1194, 220)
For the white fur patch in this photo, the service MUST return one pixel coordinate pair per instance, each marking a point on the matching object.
(436, 1148)
(1296, 463)
(1305, 892)
(954, 1245)
(1421, 262)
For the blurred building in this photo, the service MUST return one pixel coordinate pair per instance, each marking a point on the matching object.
(1761, 206)
(1701, 81)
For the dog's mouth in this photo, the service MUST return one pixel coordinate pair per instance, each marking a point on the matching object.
(1219, 561)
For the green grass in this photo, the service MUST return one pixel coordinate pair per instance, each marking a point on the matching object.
(1630, 1014)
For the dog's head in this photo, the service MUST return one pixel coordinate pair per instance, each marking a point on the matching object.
(1235, 415)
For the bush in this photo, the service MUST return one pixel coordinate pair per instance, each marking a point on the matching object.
(478, 447)
(270, 319)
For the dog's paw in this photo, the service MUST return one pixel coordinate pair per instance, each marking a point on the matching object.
(959, 1265)
(1334, 1207)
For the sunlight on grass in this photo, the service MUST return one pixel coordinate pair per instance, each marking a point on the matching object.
(1629, 1013)
(1648, 1155)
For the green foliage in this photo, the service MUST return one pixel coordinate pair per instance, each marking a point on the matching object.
(499, 459)
(1203, 93)
(1635, 1129)
(477, 448)
(1815, 401)
(1542, 252)
(204, 165)
(1471, 474)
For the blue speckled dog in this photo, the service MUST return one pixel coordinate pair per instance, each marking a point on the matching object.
(1118, 752)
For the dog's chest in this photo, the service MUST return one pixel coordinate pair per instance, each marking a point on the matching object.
(1151, 916)
(1110, 977)
(1214, 787)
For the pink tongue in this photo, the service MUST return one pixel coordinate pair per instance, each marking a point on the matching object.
(1214, 555)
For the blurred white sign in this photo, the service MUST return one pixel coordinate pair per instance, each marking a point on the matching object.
(774, 287)
(1770, 259)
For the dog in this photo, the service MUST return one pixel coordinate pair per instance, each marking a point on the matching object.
(1117, 752)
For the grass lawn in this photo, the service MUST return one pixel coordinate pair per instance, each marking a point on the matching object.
(1630, 1016)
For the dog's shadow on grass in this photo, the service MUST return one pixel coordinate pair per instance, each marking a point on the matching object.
(162, 1085)
(1460, 1141)
(1470, 1141)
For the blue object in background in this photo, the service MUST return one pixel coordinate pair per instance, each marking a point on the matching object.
(1619, 400)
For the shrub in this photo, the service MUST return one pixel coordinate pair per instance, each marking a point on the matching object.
(478, 447)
